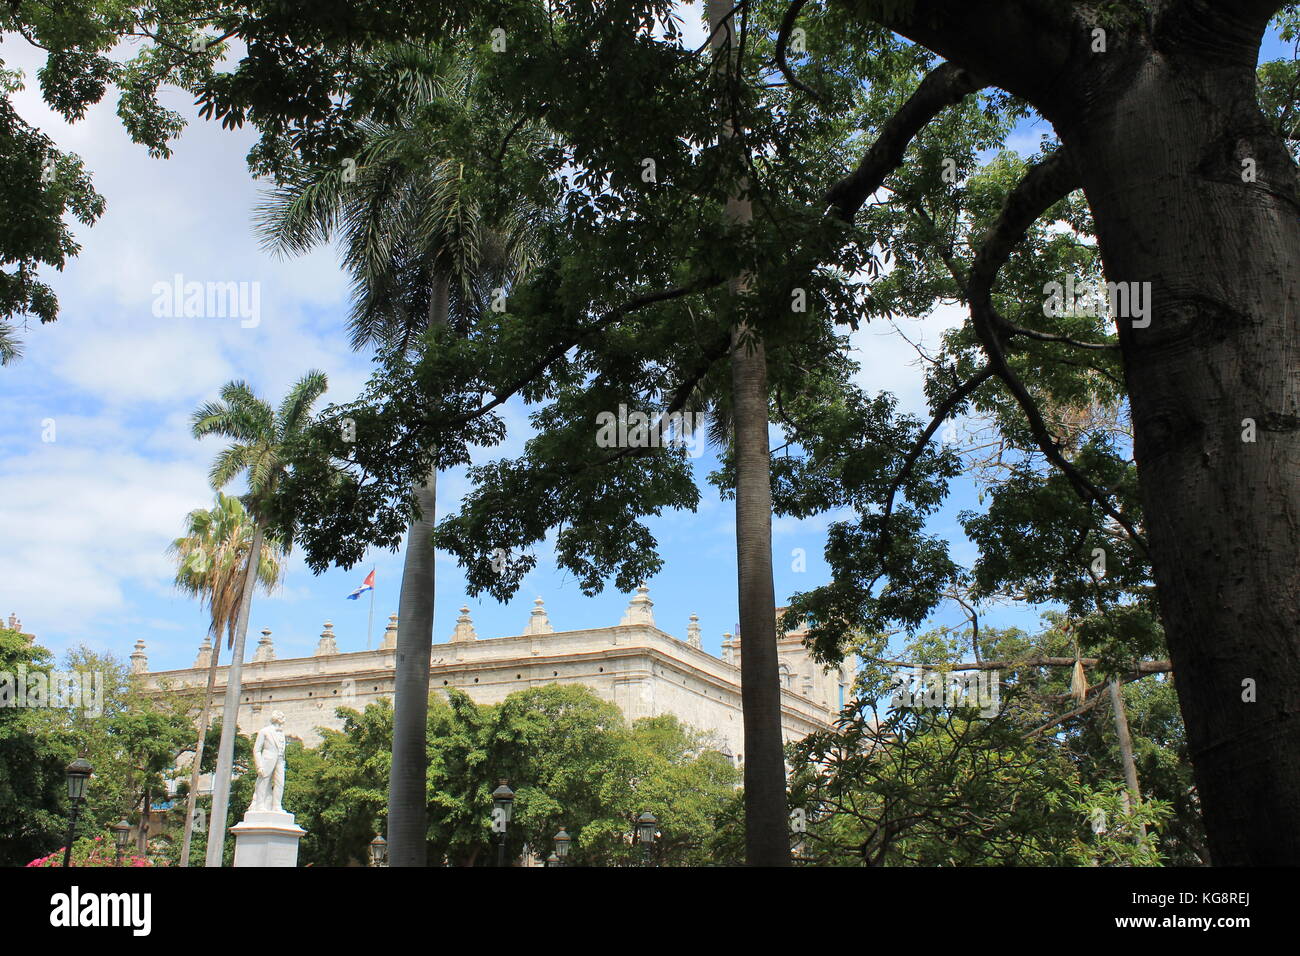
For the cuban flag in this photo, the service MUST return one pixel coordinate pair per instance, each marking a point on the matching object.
(367, 585)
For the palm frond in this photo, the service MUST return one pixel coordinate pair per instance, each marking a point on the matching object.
(11, 348)
(298, 403)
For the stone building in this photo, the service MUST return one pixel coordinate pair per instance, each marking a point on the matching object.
(634, 664)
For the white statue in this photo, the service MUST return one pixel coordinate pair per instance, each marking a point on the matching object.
(268, 759)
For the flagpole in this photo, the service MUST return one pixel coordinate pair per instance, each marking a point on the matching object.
(370, 620)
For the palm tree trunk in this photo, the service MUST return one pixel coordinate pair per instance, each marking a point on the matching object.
(407, 790)
(192, 798)
(767, 841)
(230, 711)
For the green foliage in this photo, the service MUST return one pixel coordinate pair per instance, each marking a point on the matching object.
(131, 739)
(339, 790)
(912, 785)
(212, 559)
(933, 788)
(33, 795)
(570, 757)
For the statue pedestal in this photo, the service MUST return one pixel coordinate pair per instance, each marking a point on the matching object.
(267, 838)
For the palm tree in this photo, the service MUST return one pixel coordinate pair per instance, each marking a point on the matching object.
(10, 348)
(210, 562)
(260, 436)
(766, 824)
(425, 236)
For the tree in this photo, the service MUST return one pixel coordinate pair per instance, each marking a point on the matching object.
(130, 738)
(573, 763)
(43, 185)
(922, 779)
(760, 683)
(1212, 156)
(620, 360)
(33, 796)
(260, 436)
(341, 795)
(427, 240)
(1161, 127)
(210, 564)
(570, 756)
(133, 744)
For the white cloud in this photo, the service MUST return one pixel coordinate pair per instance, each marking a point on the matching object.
(890, 363)
(84, 527)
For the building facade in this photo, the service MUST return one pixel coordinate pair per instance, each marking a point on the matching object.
(634, 664)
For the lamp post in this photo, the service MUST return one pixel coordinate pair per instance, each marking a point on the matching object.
(503, 802)
(552, 860)
(645, 828)
(562, 841)
(121, 837)
(378, 851)
(78, 773)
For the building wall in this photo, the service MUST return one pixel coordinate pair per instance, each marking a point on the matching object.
(640, 668)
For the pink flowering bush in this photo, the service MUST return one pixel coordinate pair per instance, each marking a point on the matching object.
(92, 852)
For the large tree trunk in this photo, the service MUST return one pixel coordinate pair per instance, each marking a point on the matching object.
(230, 711)
(1161, 152)
(192, 797)
(1161, 123)
(767, 839)
(407, 787)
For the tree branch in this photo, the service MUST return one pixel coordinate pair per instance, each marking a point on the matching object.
(1022, 46)
(1042, 187)
(1141, 668)
(942, 87)
(556, 352)
(955, 398)
(782, 38)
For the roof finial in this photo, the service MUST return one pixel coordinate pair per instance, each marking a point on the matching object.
(639, 608)
(538, 623)
(464, 627)
(265, 649)
(139, 663)
(205, 653)
(327, 644)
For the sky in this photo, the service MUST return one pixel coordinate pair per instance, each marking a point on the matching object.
(98, 468)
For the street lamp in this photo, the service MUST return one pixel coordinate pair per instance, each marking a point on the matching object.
(503, 802)
(121, 837)
(562, 841)
(645, 827)
(378, 851)
(552, 860)
(78, 772)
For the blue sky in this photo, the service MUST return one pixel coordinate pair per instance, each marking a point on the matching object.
(85, 519)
